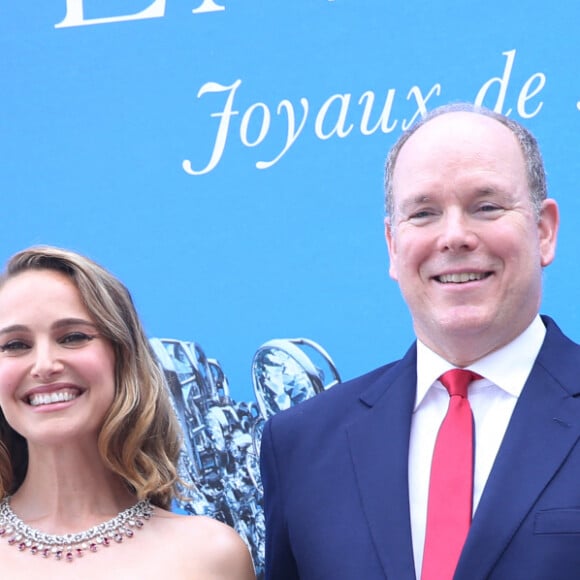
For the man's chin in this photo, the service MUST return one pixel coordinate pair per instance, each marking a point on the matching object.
(462, 321)
(458, 329)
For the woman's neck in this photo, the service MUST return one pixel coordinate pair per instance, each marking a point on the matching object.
(68, 489)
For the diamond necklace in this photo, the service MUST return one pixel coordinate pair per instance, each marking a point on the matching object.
(67, 546)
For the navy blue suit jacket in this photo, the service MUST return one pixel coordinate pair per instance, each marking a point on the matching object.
(334, 470)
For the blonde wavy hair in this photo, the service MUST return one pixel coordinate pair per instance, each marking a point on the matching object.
(140, 439)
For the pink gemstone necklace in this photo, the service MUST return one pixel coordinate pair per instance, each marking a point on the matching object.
(69, 546)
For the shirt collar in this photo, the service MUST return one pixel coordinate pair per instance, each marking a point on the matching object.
(508, 367)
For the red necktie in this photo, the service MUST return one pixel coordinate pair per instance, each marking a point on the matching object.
(451, 483)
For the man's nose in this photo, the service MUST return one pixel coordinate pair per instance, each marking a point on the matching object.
(47, 363)
(457, 233)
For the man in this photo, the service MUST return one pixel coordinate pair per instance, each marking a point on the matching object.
(347, 475)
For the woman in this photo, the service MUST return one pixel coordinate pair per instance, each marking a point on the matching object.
(88, 436)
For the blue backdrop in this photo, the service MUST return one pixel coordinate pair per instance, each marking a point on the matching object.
(225, 158)
(100, 116)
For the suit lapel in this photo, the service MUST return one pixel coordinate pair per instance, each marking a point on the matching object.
(379, 445)
(541, 433)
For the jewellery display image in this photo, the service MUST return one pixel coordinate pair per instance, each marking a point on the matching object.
(287, 371)
(221, 443)
(69, 546)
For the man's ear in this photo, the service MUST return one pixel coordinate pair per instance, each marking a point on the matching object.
(548, 230)
(390, 239)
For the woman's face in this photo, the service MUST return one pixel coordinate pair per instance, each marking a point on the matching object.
(57, 373)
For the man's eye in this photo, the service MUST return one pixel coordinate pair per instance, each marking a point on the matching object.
(75, 339)
(14, 346)
(422, 214)
(488, 207)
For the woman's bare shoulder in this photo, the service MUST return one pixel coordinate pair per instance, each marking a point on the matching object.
(217, 547)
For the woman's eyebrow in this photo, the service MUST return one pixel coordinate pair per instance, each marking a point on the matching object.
(66, 322)
(13, 328)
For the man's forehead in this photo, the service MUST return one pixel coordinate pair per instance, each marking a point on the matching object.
(459, 135)
(458, 151)
(456, 123)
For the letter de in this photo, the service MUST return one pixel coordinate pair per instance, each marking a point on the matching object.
(503, 84)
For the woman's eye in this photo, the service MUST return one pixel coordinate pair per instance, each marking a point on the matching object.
(75, 339)
(14, 346)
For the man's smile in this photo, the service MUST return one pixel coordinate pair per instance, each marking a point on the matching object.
(461, 277)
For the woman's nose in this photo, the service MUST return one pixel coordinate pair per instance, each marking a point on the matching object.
(47, 363)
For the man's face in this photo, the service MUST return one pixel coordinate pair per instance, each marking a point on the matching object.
(464, 242)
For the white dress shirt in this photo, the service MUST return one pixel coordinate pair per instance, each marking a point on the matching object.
(492, 401)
